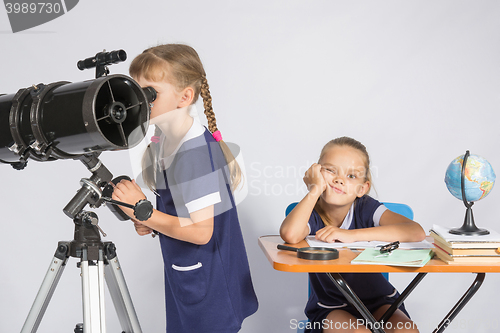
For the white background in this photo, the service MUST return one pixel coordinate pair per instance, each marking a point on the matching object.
(418, 82)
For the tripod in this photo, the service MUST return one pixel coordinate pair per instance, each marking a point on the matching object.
(98, 260)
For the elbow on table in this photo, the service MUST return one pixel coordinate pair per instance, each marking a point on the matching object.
(291, 237)
(419, 234)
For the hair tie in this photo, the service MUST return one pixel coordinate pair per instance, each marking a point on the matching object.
(155, 139)
(217, 136)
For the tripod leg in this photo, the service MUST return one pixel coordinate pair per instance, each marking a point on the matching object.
(94, 320)
(46, 290)
(119, 292)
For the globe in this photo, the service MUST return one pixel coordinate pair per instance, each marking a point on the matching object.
(479, 178)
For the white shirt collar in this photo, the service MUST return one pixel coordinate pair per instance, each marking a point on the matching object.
(194, 131)
(348, 219)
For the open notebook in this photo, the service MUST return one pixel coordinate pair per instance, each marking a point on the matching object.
(313, 242)
(409, 258)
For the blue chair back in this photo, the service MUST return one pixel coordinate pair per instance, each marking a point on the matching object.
(400, 208)
(290, 208)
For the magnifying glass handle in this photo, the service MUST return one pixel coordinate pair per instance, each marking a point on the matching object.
(287, 248)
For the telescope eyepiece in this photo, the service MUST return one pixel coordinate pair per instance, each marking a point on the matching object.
(150, 93)
(117, 56)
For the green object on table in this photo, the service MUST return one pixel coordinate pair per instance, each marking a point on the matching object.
(399, 257)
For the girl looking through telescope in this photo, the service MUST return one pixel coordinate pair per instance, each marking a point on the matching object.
(208, 286)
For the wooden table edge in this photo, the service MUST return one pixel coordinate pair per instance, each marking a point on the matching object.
(293, 264)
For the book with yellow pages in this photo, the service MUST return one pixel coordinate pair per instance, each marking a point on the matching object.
(492, 252)
(450, 242)
(464, 249)
(469, 249)
(466, 259)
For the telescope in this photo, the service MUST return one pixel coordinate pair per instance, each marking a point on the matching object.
(64, 120)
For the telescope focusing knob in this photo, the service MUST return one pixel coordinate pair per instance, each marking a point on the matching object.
(143, 210)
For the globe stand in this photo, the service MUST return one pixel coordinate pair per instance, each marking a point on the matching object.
(469, 227)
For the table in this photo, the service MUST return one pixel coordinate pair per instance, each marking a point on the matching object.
(287, 261)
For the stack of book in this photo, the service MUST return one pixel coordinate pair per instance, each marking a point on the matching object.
(459, 249)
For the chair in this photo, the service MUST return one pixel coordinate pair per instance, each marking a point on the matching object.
(399, 208)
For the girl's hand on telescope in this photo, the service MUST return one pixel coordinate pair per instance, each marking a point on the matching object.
(128, 192)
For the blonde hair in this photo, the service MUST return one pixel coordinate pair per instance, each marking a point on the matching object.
(181, 64)
(352, 143)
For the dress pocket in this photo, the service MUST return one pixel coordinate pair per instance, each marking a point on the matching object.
(189, 283)
(391, 295)
(324, 306)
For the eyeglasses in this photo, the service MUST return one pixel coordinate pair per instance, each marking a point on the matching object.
(388, 248)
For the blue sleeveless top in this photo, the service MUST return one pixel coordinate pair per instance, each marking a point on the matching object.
(208, 287)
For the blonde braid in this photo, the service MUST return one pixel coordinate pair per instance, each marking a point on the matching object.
(234, 168)
(207, 104)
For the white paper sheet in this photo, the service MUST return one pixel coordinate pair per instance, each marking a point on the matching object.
(313, 242)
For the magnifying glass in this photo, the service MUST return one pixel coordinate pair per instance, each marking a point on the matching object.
(312, 253)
